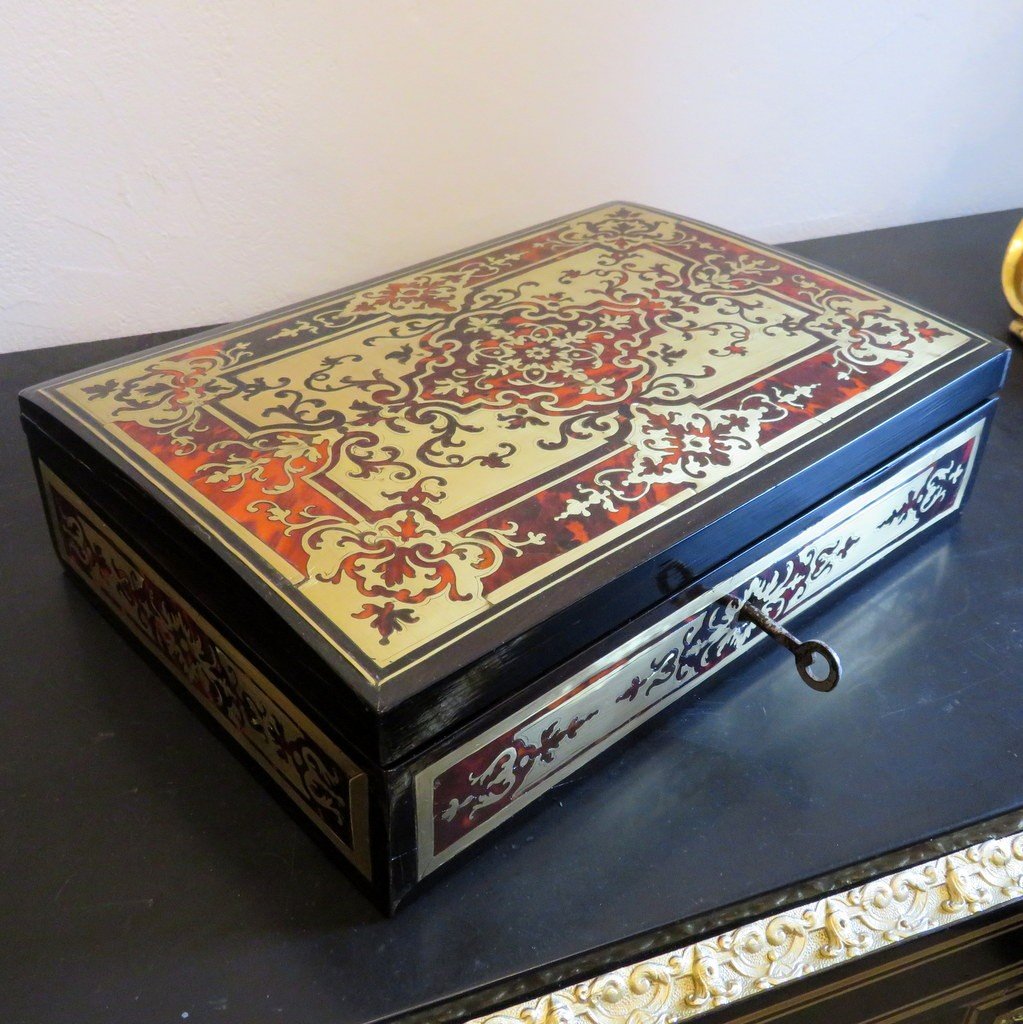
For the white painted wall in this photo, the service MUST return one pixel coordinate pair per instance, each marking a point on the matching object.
(171, 163)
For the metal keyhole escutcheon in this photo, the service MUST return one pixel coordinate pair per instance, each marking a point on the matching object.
(804, 652)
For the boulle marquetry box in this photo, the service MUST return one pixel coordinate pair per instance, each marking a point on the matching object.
(426, 546)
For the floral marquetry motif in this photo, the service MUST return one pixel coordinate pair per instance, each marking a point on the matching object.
(412, 456)
(689, 981)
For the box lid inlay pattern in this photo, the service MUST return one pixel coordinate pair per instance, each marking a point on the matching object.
(408, 459)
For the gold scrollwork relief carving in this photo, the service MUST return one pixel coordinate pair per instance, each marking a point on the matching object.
(686, 982)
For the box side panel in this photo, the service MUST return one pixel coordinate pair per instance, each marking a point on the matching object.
(172, 548)
(322, 780)
(465, 789)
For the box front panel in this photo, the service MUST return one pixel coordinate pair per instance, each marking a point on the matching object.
(320, 779)
(484, 781)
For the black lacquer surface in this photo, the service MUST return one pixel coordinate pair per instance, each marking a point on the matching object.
(146, 874)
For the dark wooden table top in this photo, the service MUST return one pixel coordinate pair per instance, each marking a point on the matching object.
(147, 875)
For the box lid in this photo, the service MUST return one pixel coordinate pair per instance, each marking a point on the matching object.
(484, 462)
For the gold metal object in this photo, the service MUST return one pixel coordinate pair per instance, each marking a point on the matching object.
(691, 980)
(1012, 278)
